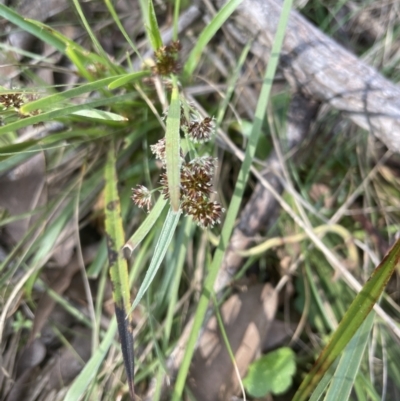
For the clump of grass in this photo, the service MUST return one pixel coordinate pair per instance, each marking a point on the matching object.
(114, 134)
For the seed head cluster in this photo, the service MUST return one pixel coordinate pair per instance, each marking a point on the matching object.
(196, 175)
(12, 100)
(167, 59)
(196, 128)
(141, 196)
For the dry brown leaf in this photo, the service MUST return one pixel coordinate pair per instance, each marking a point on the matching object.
(247, 318)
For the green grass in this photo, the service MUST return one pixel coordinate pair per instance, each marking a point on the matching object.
(338, 214)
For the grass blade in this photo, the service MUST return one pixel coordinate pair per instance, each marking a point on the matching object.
(118, 266)
(50, 101)
(28, 26)
(352, 320)
(116, 19)
(125, 79)
(146, 226)
(347, 370)
(207, 34)
(89, 372)
(96, 43)
(235, 202)
(163, 242)
(172, 148)
(153, 31)
(100, 115)
(62, 112)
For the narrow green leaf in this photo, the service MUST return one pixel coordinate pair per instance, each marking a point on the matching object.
(152, 28)
(146, 226)
(125, 79)
(347, 370)
(185, 234)
(163, 242)
(96, 43)
(80, 63)
(28, 26)
(207, 34)
(89, 372)
(49, 35)
(172, 148)
(55, 114)
(99, 114)
(50, 101)
(118, 266)
(352, 320)
(113, 13)
(323, 384)
(235, 202)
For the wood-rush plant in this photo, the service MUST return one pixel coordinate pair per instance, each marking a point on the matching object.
(195, 176)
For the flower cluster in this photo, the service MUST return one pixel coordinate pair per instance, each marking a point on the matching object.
(141, 196)
(196, 175)
(196, 128)
(167, 59)
(12, 100)
(196, 189)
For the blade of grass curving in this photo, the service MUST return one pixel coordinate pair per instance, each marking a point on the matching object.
(84, 55)
(100, 115)
(79, 63)
(352, 320)
(88, 373)
(235, 202)
(185, 234)
(347, 370)
(163, 242)
(50, 101)
(324, 383)
(118, 266)
(227, 344)
(232, 84)
(207, 34)
(96, 43)
(55, 114)
(153, 31)
(116, 19)
(172, 148)
(47, 34)
(125, 79)
(146, 226)
(28, 26)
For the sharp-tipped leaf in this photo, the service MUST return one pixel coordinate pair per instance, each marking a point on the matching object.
(52, 100)
(348, 367)
(118, 266)
(29, 26)
(55, 114)
(161, 248)
(352, 320)
(100, 115)
(126, 79)
(153, 31)
(146, 226)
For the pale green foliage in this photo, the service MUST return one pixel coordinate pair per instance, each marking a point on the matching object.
(271, 373)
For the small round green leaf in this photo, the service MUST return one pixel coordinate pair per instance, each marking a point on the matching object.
(271, 373)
